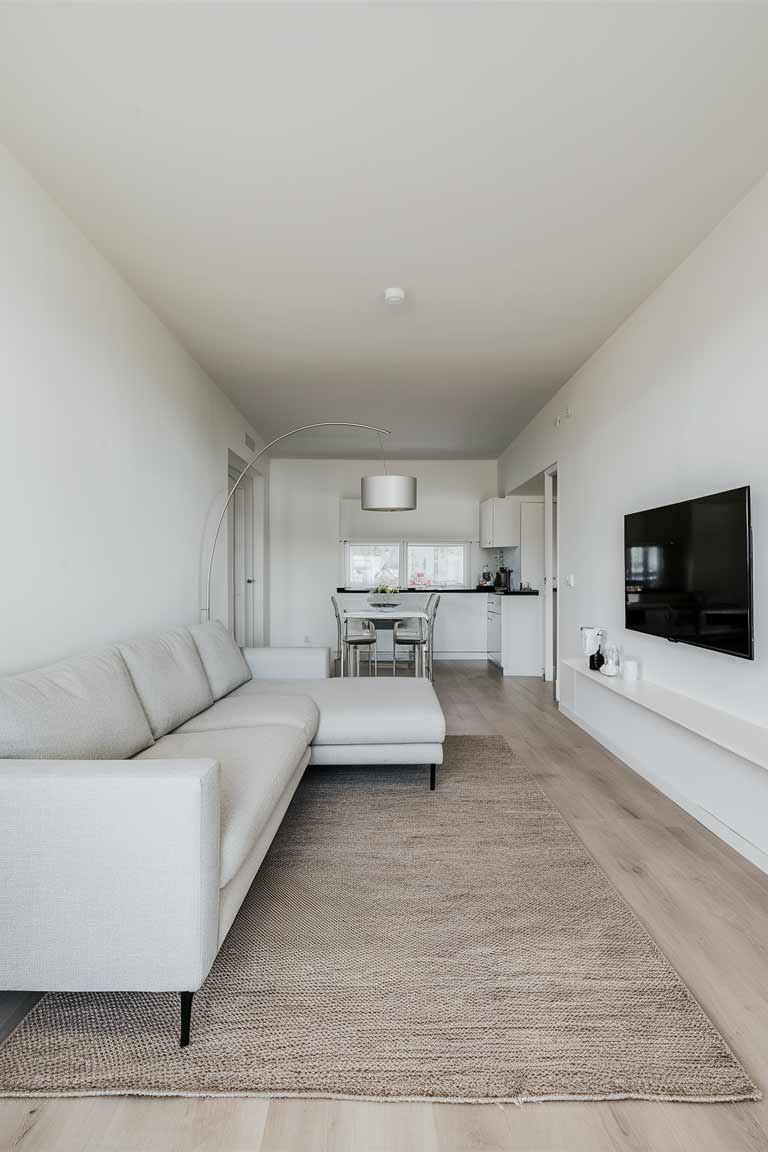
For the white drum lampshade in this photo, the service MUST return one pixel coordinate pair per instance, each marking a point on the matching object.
(388, 493)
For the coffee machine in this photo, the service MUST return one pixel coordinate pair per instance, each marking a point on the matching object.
(501, 583)
(591, 642)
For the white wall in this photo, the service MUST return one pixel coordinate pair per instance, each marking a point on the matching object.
(113, 445)
(305, 529)
(674, 405)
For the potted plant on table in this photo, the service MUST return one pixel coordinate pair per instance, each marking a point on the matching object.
(385, 596)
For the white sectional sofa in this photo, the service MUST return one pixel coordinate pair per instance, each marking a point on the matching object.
(141, 786)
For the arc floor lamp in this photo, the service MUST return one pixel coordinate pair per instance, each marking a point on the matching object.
(384, 493)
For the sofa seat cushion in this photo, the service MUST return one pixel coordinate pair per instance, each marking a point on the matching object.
(169, 677)
(255, 710)
(85, 708)
(255, 766)
(223, 661)
(353, 710)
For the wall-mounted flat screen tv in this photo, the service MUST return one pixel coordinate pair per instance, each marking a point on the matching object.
(688, 572)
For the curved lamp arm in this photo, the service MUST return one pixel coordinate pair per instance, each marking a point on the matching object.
(205, 611)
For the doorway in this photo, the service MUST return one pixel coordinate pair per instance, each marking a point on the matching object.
(551, 568)
(245, 555)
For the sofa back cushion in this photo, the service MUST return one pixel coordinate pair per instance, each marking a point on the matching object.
(223, 661)
(169, 678)
(85, 708)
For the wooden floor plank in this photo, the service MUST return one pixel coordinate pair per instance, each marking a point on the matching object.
(132, 1124)
(349, 1126)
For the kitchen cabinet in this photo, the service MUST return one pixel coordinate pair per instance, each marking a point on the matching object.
(494, 612)
(499, 523)
(460, 626)
(522, 636)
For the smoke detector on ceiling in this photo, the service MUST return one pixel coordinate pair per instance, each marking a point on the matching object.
(394, 296)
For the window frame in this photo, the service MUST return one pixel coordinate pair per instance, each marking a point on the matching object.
(350, 544)
(420, 543)
(403, 546)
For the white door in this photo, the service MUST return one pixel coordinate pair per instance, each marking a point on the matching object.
(240, 525)
(532, 543)
(551, 663)
(258, 559)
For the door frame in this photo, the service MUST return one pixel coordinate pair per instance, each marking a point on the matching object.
(259, 559)
(551, 582)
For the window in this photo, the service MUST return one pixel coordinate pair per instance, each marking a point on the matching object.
(404, 564)
(436, 565)
(371, 564)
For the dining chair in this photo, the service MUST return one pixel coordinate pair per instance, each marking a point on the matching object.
(409, 631)
(432, 606)
(352, 635)
(417, 635)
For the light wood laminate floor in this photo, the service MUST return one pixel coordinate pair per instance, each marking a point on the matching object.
(705, 906)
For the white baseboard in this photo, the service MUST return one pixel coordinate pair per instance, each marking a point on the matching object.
(741, 845)
(387, 656)
(461, 656)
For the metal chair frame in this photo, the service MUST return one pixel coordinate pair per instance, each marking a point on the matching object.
(349, 645)
(421, 646)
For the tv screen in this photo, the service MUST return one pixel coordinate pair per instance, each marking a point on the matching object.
(688, 572)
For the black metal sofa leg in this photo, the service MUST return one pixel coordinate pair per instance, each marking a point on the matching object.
(186, 1018)
(432, 769)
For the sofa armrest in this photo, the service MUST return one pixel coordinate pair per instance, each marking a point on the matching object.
(289, 663)
(109, 874)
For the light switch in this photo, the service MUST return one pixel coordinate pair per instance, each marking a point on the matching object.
(570, 580)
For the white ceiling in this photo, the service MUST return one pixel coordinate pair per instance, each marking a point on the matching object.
(261, 172)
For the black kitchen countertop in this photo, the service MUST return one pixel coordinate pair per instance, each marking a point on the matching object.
(426, 591)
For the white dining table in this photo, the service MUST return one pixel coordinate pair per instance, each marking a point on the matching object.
(389, 614)
(385, 618)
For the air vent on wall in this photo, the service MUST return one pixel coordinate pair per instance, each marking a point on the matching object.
(250, 442)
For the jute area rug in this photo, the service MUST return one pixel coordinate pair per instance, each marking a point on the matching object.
(405, 944)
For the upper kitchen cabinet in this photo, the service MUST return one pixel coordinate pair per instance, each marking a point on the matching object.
(499, 523)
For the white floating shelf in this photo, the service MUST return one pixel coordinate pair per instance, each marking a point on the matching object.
(742, 737)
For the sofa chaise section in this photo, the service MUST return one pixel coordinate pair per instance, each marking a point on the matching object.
(379, 720)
